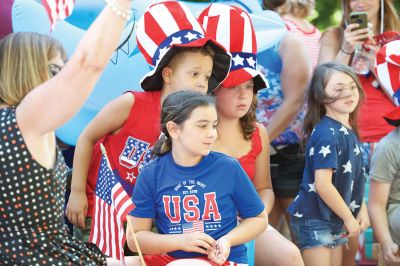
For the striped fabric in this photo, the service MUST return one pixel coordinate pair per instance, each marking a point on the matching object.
(58, 9)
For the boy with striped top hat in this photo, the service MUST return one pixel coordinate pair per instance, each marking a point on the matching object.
(173, 42)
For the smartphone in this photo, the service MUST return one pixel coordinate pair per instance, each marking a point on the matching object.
(359, 18)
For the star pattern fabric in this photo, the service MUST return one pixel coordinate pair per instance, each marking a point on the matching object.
(331, 146)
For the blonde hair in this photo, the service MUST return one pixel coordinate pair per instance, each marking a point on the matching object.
(391, 18)
(299, 8)
(24, 60)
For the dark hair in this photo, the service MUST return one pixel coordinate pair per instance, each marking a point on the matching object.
(178, 107)
(272, 4)
(317, 97)
(247, 122)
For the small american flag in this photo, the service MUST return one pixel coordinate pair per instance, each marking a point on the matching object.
(196, 226)
(58, 9)
(112, 206)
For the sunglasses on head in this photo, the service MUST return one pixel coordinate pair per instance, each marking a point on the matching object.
(54, 69)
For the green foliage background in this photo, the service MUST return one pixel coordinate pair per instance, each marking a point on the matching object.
(327, 12)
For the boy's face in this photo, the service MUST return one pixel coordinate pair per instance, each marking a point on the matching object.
(191, 71)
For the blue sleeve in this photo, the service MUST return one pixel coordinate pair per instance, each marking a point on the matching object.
(246, 198)
(144, 194)
(324, 149)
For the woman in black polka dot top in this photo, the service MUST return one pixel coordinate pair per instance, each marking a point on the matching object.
(34, 101)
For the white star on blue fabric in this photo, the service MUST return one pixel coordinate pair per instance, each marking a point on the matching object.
(344, 130)
(353, 206)
(176, 40)
(190, 36)
(312, 188)
(311, 151)
(297, 214)
(357, 150)
(237, 60)
(347, 167)
(333, 130)
(130, 177)
(251, 61)
(325, 150)
(351, 185)
(163, 51)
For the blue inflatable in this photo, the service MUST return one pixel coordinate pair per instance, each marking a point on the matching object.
(127, 66)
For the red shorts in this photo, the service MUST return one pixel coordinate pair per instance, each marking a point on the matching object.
(164, 259)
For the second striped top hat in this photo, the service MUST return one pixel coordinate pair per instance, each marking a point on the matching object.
(170, 24)
(232, 27)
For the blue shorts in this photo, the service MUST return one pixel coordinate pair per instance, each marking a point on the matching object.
(311, 233)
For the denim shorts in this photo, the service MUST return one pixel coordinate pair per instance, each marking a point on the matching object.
(311, 233)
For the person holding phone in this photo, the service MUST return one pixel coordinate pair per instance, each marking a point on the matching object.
(339, 43)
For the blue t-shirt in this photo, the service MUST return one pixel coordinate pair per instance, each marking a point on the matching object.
(206, 198)
(331, 146)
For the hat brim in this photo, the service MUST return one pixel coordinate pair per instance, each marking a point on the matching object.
(393, 117)
(153, 80)
(241, 75)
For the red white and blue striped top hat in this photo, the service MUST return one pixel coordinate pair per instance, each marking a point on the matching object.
(169, 24)
(232, 27)
(387, 69)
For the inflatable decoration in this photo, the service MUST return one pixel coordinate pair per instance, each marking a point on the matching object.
(127, 66)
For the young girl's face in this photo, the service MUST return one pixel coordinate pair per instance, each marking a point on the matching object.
(235, 102)
(198, 133)
(344, 89)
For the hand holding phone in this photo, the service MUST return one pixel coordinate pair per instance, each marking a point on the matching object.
(360, 18)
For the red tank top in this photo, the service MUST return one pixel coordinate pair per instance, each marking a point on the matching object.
(131, 147)
(248, 161)
(371, 124)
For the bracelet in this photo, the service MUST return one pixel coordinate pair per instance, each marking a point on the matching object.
(344, 51)
(126, 14)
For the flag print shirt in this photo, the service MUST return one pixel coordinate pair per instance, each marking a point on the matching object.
(331, 146)
(206, 198)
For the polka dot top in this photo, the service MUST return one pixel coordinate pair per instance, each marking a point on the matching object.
(31, 207)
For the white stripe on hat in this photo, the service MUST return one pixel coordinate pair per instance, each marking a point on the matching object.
(145, 41)
(223, 28)
(384, 77)
(392, 48)
(164, 19)
(247, 42)
(192, 19)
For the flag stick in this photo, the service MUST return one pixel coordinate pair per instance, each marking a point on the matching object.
(104, 152)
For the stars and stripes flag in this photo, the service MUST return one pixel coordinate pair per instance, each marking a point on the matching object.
(112, 206)
(58, 9)
(196, 226)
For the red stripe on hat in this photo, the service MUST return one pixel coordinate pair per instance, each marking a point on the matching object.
(177, 12)
(211, 30)
(153, 29)
(236, 31)
(394, 72)
(381, 56)
(144, 53)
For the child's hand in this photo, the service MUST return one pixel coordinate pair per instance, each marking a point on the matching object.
(352, 226)
(77, 208)
(221, 251)
(363, 218)
(391, 253)
(197, 242)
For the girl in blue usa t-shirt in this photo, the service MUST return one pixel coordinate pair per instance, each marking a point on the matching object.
(193, 195)
(329, 207)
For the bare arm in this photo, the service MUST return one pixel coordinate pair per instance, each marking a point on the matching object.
(109, 120)
(262, 178)
(294, 77)
(154, 243)
(329, 194)
(378, 196)
(333, 49)
(52, 103)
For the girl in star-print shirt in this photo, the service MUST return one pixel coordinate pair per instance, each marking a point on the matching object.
(329, 207)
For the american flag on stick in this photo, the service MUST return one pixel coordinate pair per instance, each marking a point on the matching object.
(112, 206)
(58, 9)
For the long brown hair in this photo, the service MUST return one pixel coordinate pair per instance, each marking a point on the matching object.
(247, 122)
(24, 60)
(317, 97)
